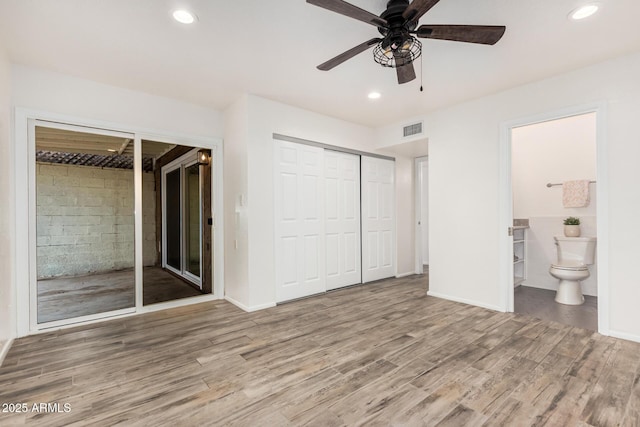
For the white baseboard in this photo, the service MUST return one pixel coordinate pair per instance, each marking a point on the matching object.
(465, 301)
(5, 349)
(247, 308)
(401, 275)
(624, 336)
(538, 286)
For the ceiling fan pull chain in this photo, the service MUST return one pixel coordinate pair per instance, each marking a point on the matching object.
(421, 63)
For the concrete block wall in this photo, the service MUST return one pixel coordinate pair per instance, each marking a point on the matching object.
(85, 220)
(149, 250)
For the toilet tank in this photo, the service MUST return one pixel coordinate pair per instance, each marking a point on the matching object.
(582, 249)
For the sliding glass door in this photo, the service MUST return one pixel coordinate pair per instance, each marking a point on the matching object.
(193, 220)
(173, 215)
(182, 210)
(112, 221)
(83, 210)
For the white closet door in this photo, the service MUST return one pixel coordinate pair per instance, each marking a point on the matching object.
(342, 212)
(378, 219)
(299, 216)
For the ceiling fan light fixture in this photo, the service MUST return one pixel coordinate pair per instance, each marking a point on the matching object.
(374, 95)
(410, 50)
(584, 11)
(397, 24)
(184, 16)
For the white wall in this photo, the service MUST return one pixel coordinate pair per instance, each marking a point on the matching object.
(236, 269)
(7, 303)
(39, 89)
(464, 163)
(553, 151)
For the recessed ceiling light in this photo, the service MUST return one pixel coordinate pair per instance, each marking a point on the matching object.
(374, 95)
(584, 11)
(184, 16)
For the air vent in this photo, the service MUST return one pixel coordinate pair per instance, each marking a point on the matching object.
(411, 130)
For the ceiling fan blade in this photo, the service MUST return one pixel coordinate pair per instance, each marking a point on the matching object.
(404, 68)
(417, 8)
(347, 9)
(348, 54)
(482, 34)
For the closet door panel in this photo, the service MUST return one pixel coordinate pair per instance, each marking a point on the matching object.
(299, 217)
(290, 268)
(371, 253)
(352, 253)
(289, 204)
(333, 258)
(387, 250)
(331, 200)
(342, 197)
(378, 218)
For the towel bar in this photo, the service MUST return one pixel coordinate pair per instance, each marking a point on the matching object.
(555, 185)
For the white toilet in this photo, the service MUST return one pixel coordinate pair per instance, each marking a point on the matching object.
(575, 254)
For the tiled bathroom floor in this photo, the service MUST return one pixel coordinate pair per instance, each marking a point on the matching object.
(540, 303)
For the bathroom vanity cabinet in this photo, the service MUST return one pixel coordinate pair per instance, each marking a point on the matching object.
(519, 255)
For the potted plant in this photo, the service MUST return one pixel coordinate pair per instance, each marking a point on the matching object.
(572, 227)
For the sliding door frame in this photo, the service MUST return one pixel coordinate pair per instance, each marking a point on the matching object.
(24, 214)
(33, 266)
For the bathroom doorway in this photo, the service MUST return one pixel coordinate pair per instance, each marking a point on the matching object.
(545, 156)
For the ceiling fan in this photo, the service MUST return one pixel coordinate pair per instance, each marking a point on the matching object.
(398, 48)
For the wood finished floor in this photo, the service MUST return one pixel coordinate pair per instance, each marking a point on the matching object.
(68, 297)
(378, 354)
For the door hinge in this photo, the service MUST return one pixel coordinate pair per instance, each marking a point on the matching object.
(510, 231)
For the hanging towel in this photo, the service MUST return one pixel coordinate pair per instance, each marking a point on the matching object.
(575, 194)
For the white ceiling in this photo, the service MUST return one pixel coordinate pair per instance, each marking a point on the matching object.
(271, 49)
